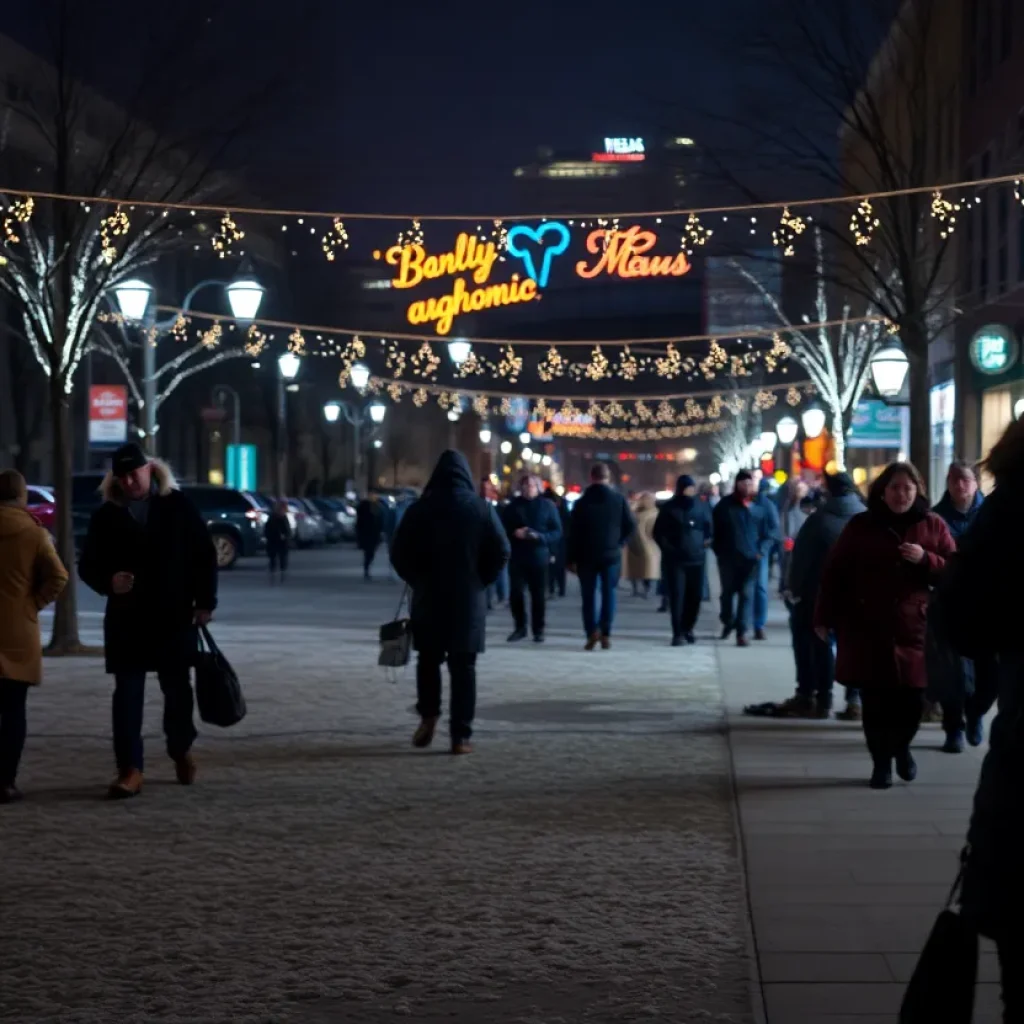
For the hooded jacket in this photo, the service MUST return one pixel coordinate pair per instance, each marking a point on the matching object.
(31, 576)
(449, 547)
(683, 530)
(172, 558)
(815, 540)
(957, 521)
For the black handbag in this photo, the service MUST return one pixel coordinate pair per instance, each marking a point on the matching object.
(218, 692)
(396, 638)
(942, 986)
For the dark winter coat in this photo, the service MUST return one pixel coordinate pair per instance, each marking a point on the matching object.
(743, 532)
(541, 517)
(563, 521)
(277, 532)
(876, 602)
(771, 509)
(984, 596)
(958, 521)
(449, 547)
(683, 531)
(599, 526)
(174, 563)
(369, 525)
(815, 540)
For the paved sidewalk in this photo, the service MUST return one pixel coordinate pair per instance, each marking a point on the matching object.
(844, 882)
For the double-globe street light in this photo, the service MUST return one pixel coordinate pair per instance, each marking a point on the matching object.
(245, 294)
(355, 414)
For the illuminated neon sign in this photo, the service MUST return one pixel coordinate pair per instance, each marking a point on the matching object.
(620, 150)
(559, 242)
(469, 256)
(623, 254)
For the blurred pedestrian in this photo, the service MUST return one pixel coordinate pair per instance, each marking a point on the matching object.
(874, 597)
(534, 531)
(814, 656)
(763, 571)
(971, 684)
(497, 592)
(599, 526)
(743, 537)
(980, 597)
(793, 515)
(369, 530)
(150, 554)
(449, 548)
(683, 531)
(557, 581)
(643, 556)
(278, 534)
(31, 577)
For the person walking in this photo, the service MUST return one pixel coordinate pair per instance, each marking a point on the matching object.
(449, 548)
(683, 532)
(980, 599)
(369, 530)
(497, 592)
(792, 517)
(969, 685)
(149, 553)
(599, 526)
(742, 540)
(767, 504)
(534, 531)
(557, 581)
(643, 556)
(814, 656)
(278, 534)
(874, 596)
(31, 577)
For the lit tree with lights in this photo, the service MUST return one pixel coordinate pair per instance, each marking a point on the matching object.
(731, 445)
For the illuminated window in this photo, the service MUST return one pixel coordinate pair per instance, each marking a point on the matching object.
(683, 141)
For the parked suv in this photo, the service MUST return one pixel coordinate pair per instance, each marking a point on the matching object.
(234, 519)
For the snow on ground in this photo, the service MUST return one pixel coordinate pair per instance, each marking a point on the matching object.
(582, 866)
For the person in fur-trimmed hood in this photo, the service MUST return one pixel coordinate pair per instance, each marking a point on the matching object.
(149, 553)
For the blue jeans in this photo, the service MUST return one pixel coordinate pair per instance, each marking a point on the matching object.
(608, 578)
(738, 578)
(129, 701)
(761, 593)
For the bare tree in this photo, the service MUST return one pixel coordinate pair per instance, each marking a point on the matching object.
(731, 445)
(838, 359)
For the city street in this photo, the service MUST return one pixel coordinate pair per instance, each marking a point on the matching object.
(581, 866)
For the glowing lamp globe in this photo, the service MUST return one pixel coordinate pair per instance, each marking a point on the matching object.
(485, 436)
(332, 410)
(525, 438)
(288, 363)
(813, 421)
(459, 351)
(889, 370)
(715, 478)
(133, 298)
(768, 440)
(506, 447)
(377, 412)
(786, 428)
(244, 296)
(1018, 408)
(453, 415)
(360, 376)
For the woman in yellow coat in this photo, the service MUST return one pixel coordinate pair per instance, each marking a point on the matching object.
(31, 576)
(642, 555)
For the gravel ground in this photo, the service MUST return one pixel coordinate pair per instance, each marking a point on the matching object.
(582, 866)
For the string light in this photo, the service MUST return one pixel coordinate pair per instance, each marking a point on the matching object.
(695, 232)
(1018, 191)
(945, 213)
(179, 331)
(412, 235)
(863, 222)
(297, 343)
(793, 397)
(511, 365)
(790, 228)
(20, 212)
(552, 365)
(336, 238)
(255, 341)
(114, 226)
(598, 368)
(226, 235)
(210, 338)
(425, 362)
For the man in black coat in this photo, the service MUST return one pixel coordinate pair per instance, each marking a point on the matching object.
(449, 547)
(369, 530)
(599, 526)
(534, 531)
(149, 553)
(683, 531)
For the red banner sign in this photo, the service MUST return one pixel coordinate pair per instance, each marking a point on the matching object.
(108, 414)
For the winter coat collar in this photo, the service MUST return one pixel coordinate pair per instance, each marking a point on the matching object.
(110, 489)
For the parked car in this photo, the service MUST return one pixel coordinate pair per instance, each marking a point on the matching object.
(306, 529)
(340, 520)
(42, 505)
(234, 519)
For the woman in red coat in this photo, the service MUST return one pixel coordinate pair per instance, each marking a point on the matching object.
(874, 597)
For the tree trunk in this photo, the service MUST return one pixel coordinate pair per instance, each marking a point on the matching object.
(920, 414)
(65, 639)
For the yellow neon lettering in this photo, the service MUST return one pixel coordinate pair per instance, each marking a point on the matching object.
(476, 299)
(409, 259)
(418, 313)
(528, 290)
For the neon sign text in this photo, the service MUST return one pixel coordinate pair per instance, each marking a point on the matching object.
(414, 265)
(624, 146)
(559, 234)
(623, 255)
(444, 309)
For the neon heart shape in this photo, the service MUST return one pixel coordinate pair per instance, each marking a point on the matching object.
(537, 234)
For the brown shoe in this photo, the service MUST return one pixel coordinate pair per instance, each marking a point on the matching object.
(126, 785)
(185, 769)
(797, 707)
(462, 747)
(606, 643)
(592, 641)
(424, 734)
(742, 641)
(759, 634)
(851, 713)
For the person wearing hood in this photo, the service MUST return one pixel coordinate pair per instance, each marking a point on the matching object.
(31, 577)
(683, 531)
(534, 531)
(149, 553)
(815, 660)
(767, 503)
(969, 687)
(599, 526)
(874, 596)
(449, 548)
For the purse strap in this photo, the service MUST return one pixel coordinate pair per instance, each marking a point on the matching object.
(958, 883)
(401, 602)
(211, 646)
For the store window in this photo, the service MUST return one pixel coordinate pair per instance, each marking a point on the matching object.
(943, 401)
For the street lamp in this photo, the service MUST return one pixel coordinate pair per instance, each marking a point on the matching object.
(768, 440)
(813, 419)
(889, 370)
(133, 298)
(287, 370)
(526, 454)
(453, 415)
(288, 363)
(787, 429)
(506, 447)
(360, 376)
(332, 410)
(485, 435)
(377, 413)
(245, 294)
(525, 437)
(459, 351)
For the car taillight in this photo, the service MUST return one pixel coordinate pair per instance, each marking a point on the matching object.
(253, 514)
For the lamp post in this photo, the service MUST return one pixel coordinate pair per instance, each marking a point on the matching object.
(813, 419)
(889, 368)
(134, 295)
(220, 392)
(459, 351)
(355, 414)
(287, 370)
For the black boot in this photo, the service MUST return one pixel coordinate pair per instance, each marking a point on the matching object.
(881, 776)
(906, 766)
